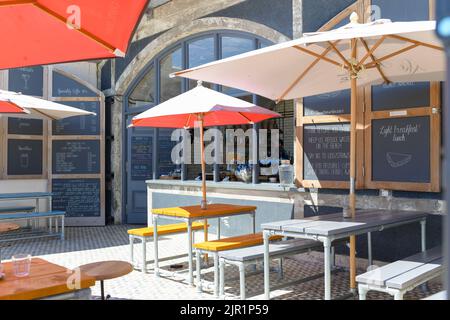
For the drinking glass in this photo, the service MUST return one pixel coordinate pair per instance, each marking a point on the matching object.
(21, 264)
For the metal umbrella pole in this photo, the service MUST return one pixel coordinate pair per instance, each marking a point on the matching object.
(443, 31)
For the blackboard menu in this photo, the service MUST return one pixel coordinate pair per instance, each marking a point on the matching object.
(78, 197)
(67, 87)
(400, 96)
(32, 127)
(332, 103)
(25, 157)
(82, 125)
(401, 149)
(326, 152)
(76, 157)
(141, 157)
(28, 81)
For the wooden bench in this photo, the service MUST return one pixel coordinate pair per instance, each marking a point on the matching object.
(401, 276)
(245, 256)
(216, 246)
(53, 230)
(17, 209)
(146, 234)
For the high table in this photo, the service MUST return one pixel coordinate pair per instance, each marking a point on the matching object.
(189, 214)
(45, 281)
(328, 228)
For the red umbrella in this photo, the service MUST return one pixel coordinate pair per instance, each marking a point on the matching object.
(8, 107)
(36, 32)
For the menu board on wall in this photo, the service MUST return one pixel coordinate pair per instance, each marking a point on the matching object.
(76, 157)
(25, 157)
(77, 197)
(326, 152)
(21, 126)
(82, 125)
(141, 157)
(401, 149)
(28, 81)
(63, 86)
(400, 96)
(333, 103)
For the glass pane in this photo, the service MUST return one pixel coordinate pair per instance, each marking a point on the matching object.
(232, 46)
(145, 91)
(200, 52)
(170, 87)
(166, 166)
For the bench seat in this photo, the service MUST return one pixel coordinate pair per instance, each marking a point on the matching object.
(17, 209)
(24, 215)
(165, 229)
(230, 243)
(398, 277)
(145, 234)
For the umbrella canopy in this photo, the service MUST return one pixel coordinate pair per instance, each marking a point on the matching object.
(39, 32)
(321, 62)
(13, 102)
(356, 54)
(217, 109)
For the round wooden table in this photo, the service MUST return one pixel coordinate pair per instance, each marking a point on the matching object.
(6, 227)
(106, 270)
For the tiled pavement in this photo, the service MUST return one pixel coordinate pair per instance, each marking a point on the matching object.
(86, 245)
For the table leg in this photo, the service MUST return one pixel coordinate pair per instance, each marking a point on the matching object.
(254, 222)
(155, 244)
(327, 268)
(191, 269)
(102, 289)
(369, 248)
(266, 236)
(423, 225)
(218, 227)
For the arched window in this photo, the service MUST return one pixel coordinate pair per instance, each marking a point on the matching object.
(155, 85)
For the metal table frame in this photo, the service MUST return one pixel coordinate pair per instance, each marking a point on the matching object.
(189, 222)
(327, 240)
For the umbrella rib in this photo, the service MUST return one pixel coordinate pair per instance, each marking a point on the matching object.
(320, 57)
(391, 55)
(78, 28)
(370, 53)
(416, 42)
(335, 49)
(249, 120)
(299, 78)
(188, 120)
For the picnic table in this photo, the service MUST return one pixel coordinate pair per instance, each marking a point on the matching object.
(328, 228)
(45, 281)
(190, 214)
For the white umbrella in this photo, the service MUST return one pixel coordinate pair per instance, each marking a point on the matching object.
(356, 54)
(14, 102)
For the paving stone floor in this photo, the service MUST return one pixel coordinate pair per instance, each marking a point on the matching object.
(91, 244)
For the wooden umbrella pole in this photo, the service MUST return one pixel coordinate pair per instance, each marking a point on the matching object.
(203, 162)
(352, 197)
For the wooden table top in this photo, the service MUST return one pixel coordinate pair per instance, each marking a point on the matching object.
(105, 270)
(45, 279)
(212, 210)
(5, 227)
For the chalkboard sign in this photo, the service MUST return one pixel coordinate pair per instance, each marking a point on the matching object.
(32, 127)
(66, 87)
(25, 157)
(326, 152)
(82, 125)
(78, 197)
(76, 157)
(332, 103)
(400, 96)
(141, 157)
(401, 149)
(28, 81)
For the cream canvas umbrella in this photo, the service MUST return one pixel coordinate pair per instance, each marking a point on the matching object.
(16, 103)
(353, 55)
